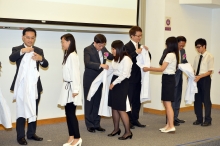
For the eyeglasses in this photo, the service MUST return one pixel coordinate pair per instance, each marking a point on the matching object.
(197, 47)
(139, 36)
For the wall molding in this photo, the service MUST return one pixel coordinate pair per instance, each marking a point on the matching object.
(81, 117)
(46, 122)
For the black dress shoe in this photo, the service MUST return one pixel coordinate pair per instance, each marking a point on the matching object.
(124, 138)
(91, 129)
(132, 126)
(176, 123)
(197, 123)
(35, 137)
(179, 121)
(100, 129)
(206, 124)
(22, 141)
(138, 124)
(113, 134)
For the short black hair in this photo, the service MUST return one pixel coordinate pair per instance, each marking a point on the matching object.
(100, 38)
(181, 38)
(134, 29)
(29, 29)
(201, 42)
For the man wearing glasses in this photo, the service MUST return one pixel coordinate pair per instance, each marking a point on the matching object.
(133, 48)
(203, 67)
(18, 53)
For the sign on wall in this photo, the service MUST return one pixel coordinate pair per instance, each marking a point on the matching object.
(167, 23)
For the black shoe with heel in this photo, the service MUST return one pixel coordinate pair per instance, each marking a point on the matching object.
(113, 134)
(124, 138)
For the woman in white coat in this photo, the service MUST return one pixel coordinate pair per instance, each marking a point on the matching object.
(118, 92)
(71, 88)
(168, 68)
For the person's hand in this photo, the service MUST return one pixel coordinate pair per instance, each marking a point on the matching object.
(138, 51)
(37, 57)
(75, 94)
(145, 47)
(197, 78)
(111, 86)
(104, 66)
(27, 50)
(145, 69)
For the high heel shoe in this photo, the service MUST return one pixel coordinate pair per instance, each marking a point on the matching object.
(79, 143)
(68, 143)
(172, 130)
(113, 134)
(124, 138)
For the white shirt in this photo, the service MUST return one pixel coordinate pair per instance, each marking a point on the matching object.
(207, 63)
(122, 69)
(136, 45)
(71, 72)
(71, 84)
(171, 68)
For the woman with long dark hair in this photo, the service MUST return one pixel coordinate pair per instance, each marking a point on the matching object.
(121, 66)
(71, 88)
(168, 68)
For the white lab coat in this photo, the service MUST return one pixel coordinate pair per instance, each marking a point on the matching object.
(104, 77)
(191, 85)
(5, 114)
(25, 90)
(71, 84)
(143, 60)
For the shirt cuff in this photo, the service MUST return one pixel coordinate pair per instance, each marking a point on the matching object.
(21, 52)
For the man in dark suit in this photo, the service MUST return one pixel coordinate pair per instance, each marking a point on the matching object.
(133, 48)
(94, 60)
(29, 37)
(179, 79)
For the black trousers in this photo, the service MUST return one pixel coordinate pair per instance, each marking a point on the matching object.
(203, 97)
(31, 129)
(134, 91)
(177, 98)
(92, 119)
(72, 122)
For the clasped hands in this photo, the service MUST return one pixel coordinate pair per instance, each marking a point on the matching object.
(36, 56)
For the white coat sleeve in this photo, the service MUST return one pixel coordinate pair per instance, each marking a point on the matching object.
(74, 72)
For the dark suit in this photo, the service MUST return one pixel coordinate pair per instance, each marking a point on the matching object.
(179, 83)
(92, 70)
(134, 83)
(16, 57)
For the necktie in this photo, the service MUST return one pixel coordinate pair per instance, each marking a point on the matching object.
(198, 68)
(100, 56)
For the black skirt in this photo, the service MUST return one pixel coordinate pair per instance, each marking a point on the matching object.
(118, 95)
(168, 87)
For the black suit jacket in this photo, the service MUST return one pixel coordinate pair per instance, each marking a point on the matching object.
(16, 57)
(92, 63)
(136, 70)
(178, 74)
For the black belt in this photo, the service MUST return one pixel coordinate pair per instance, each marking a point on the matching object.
(68, 87)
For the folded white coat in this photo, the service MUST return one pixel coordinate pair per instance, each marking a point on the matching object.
(143, 60)
(104, 77)
(25, 90)
(5, 114)
(191, 85)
